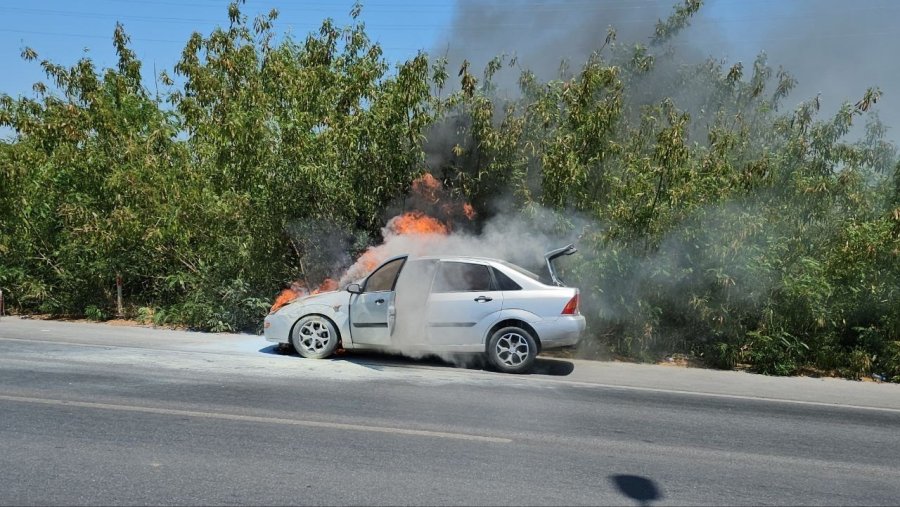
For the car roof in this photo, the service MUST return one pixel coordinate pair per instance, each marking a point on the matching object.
(456, 258)
(509, 267)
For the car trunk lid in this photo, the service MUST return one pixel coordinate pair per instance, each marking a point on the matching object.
(555, 254)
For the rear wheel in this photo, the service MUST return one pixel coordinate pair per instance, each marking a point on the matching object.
(512, 350)
(314, 337)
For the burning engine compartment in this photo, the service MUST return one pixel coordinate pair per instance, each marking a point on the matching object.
(414, 231)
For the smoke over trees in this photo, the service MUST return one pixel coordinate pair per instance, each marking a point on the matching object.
(713, 217)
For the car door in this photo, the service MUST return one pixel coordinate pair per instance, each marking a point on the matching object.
(463, 295)
(372, 312)
(411, 299)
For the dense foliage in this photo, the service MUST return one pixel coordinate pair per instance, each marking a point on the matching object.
(719, 224)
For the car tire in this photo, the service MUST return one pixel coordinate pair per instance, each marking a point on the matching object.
(512, 350)
(314, 337)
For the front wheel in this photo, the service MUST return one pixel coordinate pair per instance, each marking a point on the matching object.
(512, 350)
(314, 337)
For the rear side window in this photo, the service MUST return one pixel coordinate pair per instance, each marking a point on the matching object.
(384, 278)
(504, 282)
(462, 277)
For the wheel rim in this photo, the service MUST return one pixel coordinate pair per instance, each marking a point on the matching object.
(314, 336)
(512, 349)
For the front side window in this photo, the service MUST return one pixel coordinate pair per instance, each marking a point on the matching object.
(462, 277)
(383, 279)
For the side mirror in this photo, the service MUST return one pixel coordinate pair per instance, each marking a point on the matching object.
(354, 288)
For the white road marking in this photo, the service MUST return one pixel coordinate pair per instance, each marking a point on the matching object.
(724, 395)
(257, 419)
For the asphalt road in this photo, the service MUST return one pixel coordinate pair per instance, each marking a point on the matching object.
(93, 414)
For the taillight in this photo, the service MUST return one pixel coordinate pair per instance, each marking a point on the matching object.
(571, 307)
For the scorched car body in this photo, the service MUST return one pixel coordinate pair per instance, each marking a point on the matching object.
(442, 305)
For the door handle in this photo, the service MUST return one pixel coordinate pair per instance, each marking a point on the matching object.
(483, 299)
(379, 301)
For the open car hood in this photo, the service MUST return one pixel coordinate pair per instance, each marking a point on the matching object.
(553, 254)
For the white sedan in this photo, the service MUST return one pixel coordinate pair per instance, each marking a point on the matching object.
(438, 305)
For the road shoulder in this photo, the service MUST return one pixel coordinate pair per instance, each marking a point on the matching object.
(608, 375)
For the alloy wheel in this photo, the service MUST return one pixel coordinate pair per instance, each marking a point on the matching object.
(512, 349)
(314, 336)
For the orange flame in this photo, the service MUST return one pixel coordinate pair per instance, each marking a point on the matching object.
(411, 223)
(468, 211)
(427, 187)
(328, 285)
(416, 222)
(295, 291)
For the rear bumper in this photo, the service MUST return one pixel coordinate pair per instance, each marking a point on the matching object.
(563, 331)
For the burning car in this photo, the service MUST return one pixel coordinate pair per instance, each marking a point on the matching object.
(443, 305)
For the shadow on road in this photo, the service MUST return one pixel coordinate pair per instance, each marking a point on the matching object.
(376, 360)
(274, 350)
(640, 489)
